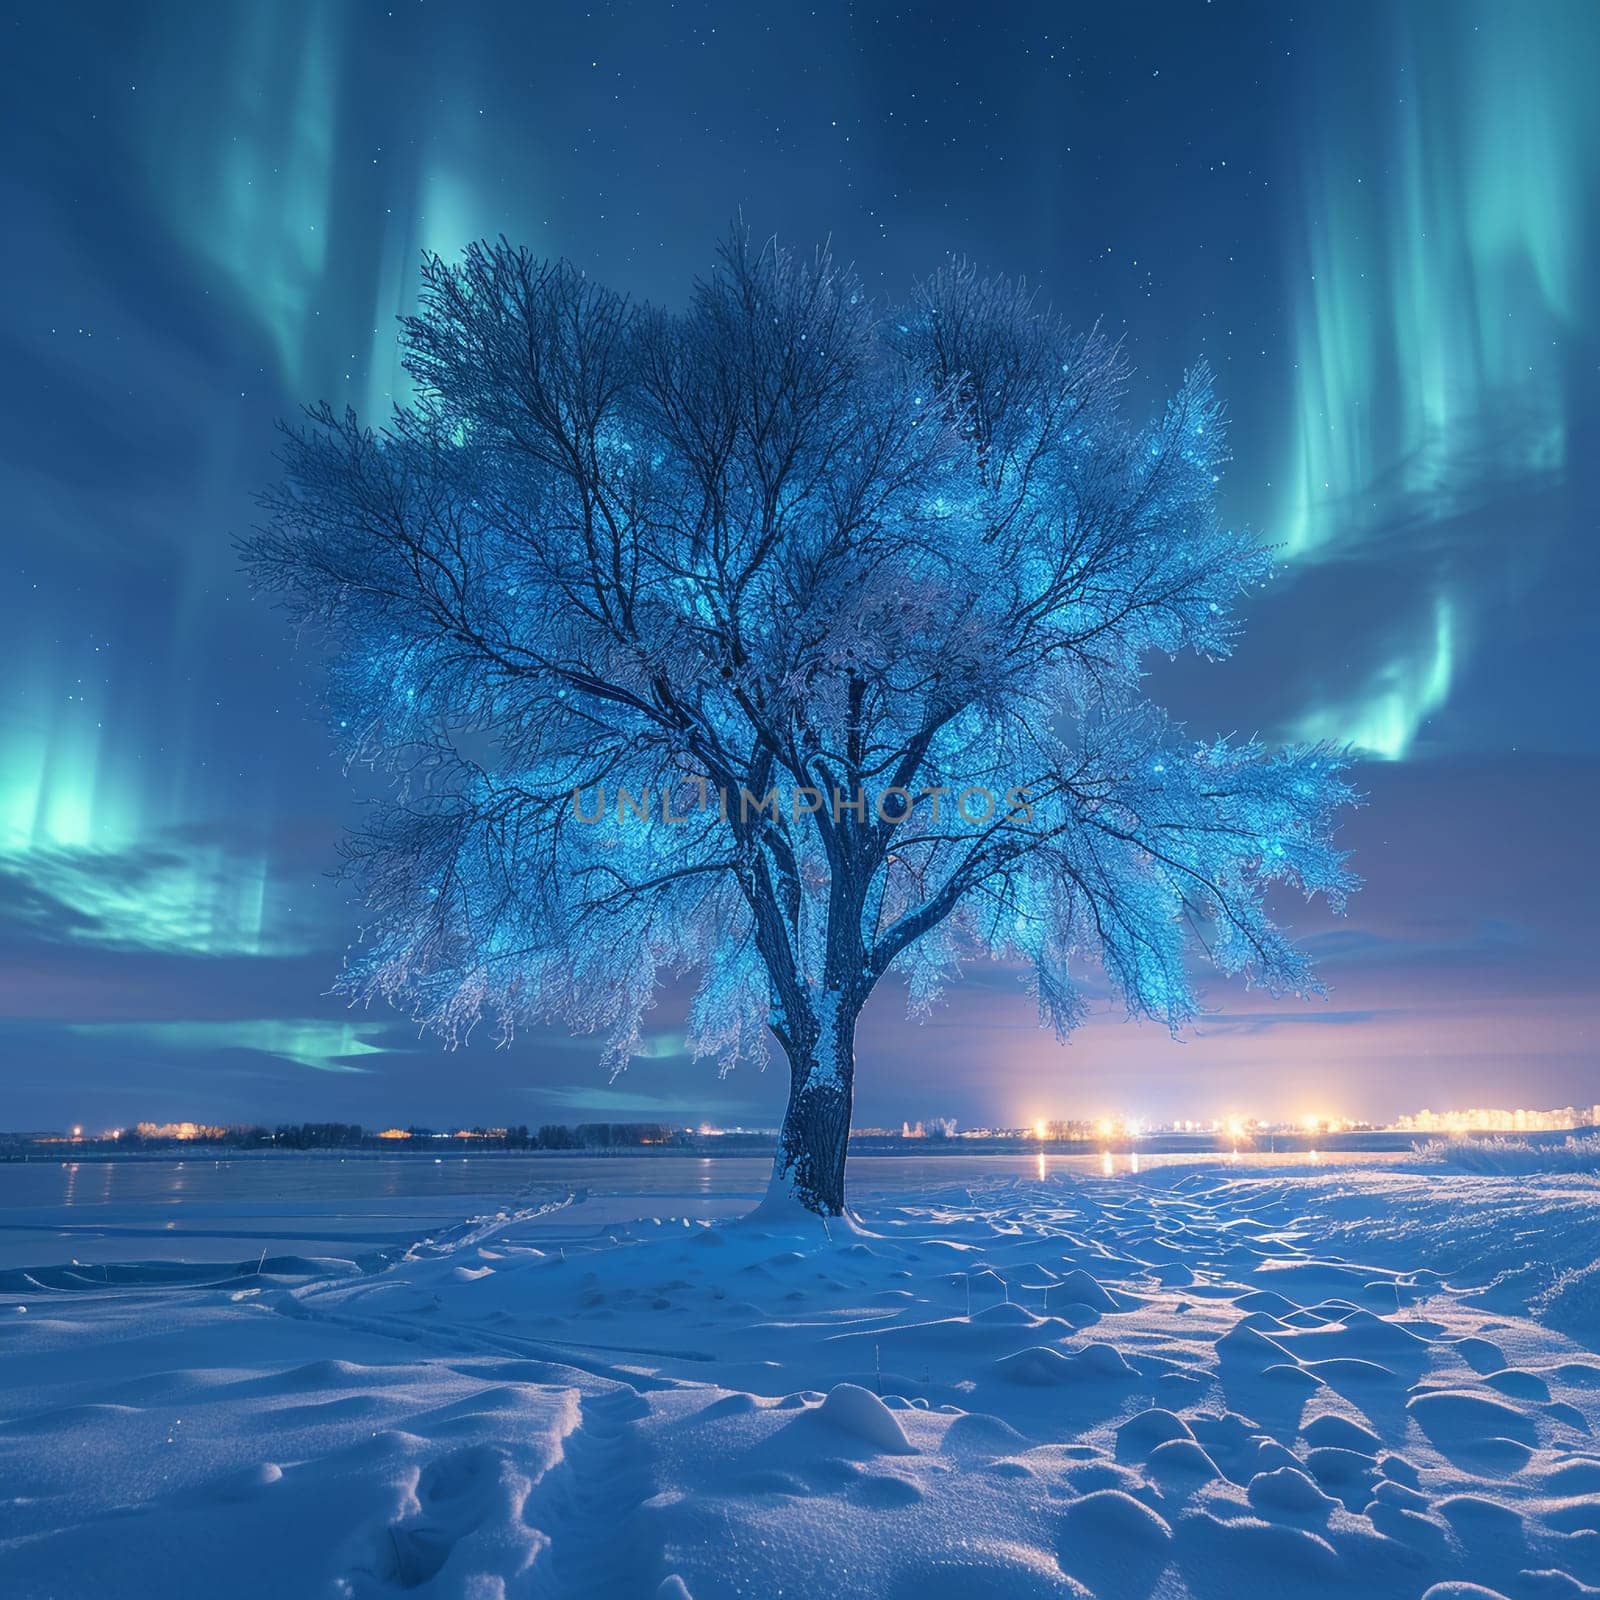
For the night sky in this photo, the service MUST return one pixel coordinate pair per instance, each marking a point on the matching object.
(1379, 223)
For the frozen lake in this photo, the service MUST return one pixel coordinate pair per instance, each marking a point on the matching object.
(1203, 1380)
(360, 1206)
(1026, 1377)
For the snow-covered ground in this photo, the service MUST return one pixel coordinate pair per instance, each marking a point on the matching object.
(1186, 1382)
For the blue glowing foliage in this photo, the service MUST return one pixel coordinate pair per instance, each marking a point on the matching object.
(621, 575)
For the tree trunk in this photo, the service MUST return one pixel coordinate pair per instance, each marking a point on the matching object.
(809, 1167)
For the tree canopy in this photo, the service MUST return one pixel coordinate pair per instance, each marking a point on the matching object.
(788, 640)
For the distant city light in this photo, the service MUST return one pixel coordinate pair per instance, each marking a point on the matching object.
(1117, 1133)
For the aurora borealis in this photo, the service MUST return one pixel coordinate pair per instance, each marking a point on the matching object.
(1377, 222)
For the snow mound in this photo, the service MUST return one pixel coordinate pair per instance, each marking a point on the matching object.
(859, 1412)
(1579, 1153)
(1453, 1417)
(1286, 1489)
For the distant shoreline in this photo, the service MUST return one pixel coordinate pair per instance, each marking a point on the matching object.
(750, 1146)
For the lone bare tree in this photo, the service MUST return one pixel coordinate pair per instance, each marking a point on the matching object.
(790, 641)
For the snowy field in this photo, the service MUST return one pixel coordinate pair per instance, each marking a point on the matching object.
(1194, 1380)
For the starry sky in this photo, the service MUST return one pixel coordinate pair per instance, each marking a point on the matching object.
(1380, 223)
